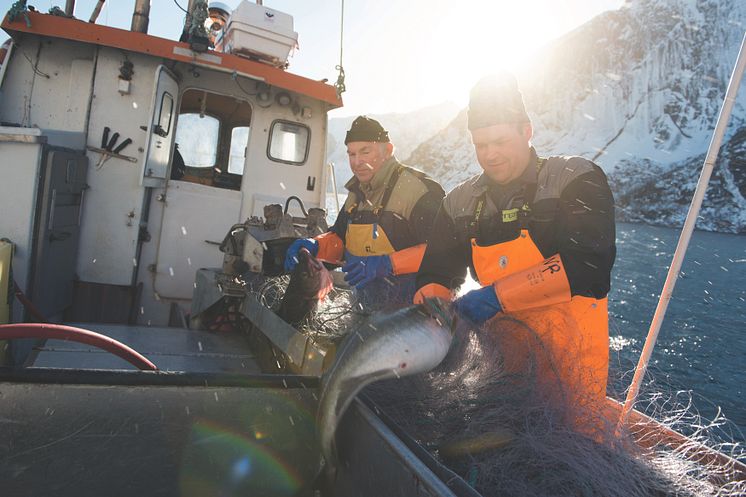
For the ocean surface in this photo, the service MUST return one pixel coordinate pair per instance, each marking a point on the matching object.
(701, 347)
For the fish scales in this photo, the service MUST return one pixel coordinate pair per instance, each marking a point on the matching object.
(392, 345)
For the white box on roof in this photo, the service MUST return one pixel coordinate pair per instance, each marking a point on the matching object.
(258, 31)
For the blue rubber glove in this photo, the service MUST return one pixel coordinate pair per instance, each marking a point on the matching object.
(362, 270)
(478, 305)
(291, 256)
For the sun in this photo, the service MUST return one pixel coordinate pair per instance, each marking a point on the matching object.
(466, 40)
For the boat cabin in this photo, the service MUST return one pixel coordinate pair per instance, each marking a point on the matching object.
(127, 157)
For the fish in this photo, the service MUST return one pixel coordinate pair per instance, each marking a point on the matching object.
(406, 342)
(483, 442)
(309, 282)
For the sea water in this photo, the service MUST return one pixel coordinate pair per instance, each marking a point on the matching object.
(702, 343)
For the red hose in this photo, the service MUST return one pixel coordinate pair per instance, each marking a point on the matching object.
(62, 332)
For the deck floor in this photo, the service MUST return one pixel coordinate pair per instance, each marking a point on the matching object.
(170, 349)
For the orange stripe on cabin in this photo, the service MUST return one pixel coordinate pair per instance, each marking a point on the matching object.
(77, 30)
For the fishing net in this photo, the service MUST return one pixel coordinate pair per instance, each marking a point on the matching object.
(508, 430)
(498, 412)
(334, 316)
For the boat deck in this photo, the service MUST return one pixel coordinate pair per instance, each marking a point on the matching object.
(170, 349)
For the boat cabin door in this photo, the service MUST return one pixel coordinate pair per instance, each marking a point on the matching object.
(202, 198)
(62, 190)
(161, 131)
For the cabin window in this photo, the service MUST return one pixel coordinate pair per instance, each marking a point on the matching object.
(288, 142)
(164, 116)
(212, 134)
(239, 142)
(197, 136)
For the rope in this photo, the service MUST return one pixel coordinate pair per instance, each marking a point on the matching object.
(56, 11)
(340, 84)
(199, 16)
(179, 6)
(17, 10)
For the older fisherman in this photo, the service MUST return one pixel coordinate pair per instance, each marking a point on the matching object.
(537, 232)
(381, 232)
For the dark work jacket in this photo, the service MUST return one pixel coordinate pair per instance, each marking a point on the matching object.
(407, 217)
(571, 212)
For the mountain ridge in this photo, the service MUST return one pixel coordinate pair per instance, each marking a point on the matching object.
(638, 90)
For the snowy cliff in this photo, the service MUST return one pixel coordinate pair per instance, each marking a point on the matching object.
(638, 90)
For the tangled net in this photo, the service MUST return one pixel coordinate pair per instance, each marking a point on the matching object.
(505, 433)
(497, 429)
(334, 316)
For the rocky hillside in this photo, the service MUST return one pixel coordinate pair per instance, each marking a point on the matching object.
(638, 90)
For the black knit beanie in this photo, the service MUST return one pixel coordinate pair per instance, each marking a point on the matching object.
(365, 129)
(495, 99)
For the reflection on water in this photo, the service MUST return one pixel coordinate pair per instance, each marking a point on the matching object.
(702, 343)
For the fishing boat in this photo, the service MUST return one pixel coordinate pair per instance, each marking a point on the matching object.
(139, 176)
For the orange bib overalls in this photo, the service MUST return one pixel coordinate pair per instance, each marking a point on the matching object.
(571, 331)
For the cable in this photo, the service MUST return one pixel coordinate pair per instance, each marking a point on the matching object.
(234, 77)
(179, 6)
(340, 84)
(33, 66)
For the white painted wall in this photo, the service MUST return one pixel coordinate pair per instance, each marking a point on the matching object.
(48, 85)
(108, 238)
(266, 181)
(19, 176)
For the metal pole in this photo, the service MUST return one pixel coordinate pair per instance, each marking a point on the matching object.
(334, 185)
(69, 7)
(187, 21)
(141, 16)
(96, 11)
(686, 233)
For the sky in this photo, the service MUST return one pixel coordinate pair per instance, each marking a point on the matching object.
(399, 55)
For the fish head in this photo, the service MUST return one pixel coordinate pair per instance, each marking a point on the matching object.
(308, 269)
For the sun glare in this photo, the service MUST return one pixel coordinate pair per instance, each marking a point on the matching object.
(470, 39)
(443, 47)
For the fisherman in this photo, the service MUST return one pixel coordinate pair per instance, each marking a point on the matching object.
(381, 232)
(537, 233)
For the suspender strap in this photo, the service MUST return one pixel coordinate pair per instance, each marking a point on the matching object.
(388, 191)
(384, 198)
(528, 197)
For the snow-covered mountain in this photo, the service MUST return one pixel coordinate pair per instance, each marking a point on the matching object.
(638, 90)
(406, 130)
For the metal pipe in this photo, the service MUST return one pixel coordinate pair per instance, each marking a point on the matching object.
(333, 176)
(96, 11)
(141, 16)
(686, 233)
(69, 7)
